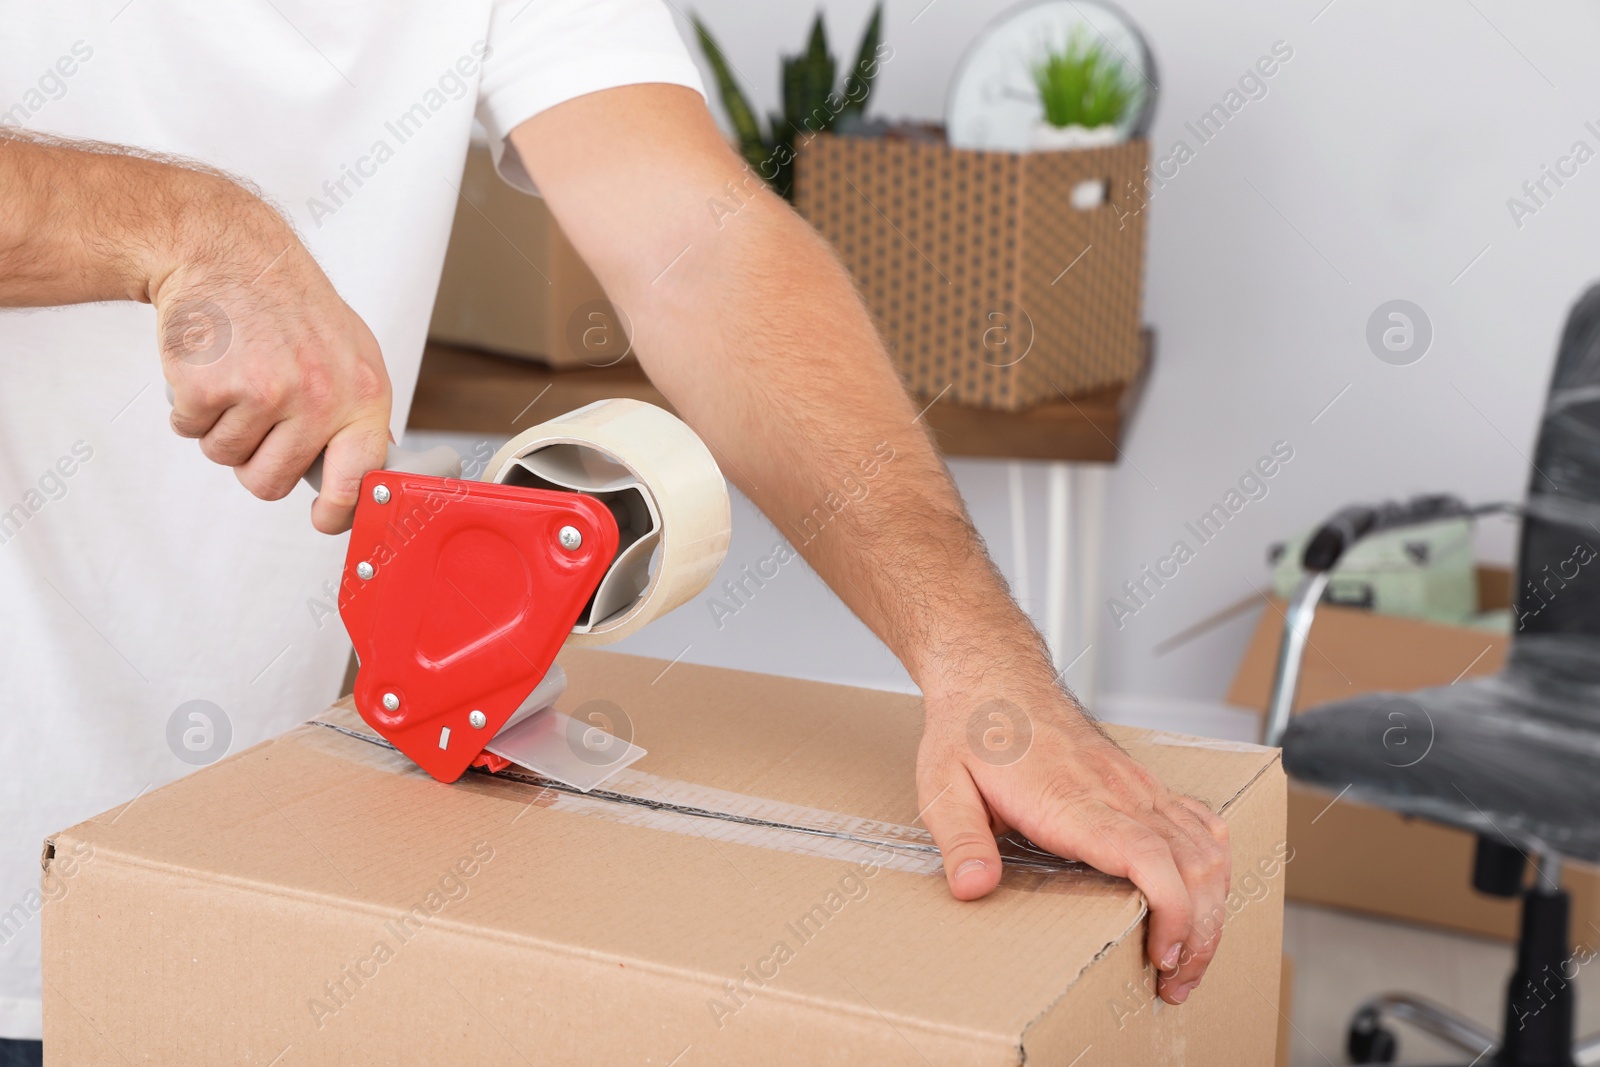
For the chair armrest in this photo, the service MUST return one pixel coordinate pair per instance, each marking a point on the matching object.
(1291, 651)
(1323, 551)
(1349, 525)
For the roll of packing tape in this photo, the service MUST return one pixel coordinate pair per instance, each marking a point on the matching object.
(662, 484)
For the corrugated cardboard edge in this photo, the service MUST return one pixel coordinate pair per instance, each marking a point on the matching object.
(1285, 1012)
(1121, 982)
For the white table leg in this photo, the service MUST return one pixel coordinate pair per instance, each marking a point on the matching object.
(1074, 537)
(1058, 563)
(1091, 501)
(1018, 492)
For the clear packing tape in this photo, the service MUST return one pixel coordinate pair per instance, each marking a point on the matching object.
(640, 798)
(662, 485)
(1515, 756)
(557, 746)
(667, 494)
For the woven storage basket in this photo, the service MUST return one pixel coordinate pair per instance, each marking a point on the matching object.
(990, 287)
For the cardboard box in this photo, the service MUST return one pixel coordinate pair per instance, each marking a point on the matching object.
(991, 288)
(1355, 651)
(513, 283)
(316, 900)
(1285, 1012)
(1365, 858)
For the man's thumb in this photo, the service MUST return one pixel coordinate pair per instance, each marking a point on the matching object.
(959, 822)
(353, 452)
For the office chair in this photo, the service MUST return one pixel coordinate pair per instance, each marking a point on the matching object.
(1514, 758)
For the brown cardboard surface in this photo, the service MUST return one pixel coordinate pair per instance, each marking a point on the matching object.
(1285, 1011)
(316, 899)
(513, 283)
(1353, 651)
(990, 287)
(1357, 856)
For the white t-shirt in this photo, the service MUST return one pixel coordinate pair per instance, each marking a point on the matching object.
(135, 576)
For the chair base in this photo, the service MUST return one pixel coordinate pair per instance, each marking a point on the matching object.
(1369, 1041)
(1539, 1000)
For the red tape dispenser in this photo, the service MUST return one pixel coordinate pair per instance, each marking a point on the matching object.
(464, 593)
(459, 594)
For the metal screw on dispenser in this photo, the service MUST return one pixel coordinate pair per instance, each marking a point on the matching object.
(478, 720)
(380, 493)
(365, 570)
(391, 702)
(571, 539)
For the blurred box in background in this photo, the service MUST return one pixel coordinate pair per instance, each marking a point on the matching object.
(1351, 855)
(513, 283)
(1427, 571)
(1000, 279)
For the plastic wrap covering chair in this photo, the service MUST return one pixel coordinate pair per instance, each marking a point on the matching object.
(1514, 758)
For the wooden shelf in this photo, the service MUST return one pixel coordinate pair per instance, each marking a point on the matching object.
(476, 392)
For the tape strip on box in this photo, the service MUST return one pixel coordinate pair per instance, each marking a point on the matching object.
(639, 798)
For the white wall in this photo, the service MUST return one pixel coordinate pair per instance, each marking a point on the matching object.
(1377, 167)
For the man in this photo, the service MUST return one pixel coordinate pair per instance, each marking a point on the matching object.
(137, 580)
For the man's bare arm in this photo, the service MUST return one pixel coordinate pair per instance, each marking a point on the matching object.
(751, 327)
(268, 365)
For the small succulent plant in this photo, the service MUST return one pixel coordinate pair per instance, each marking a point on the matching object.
(1082, 84)
(813, 102)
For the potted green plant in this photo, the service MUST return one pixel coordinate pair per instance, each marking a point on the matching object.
(1084, 92)
(812, 103)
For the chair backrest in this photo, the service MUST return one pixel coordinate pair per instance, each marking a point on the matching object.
(1558, 579)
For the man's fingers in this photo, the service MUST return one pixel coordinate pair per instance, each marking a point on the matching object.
(236, 435)
(1204, 866)
(959, 822)
(1200, 845)
(1114, 843)
(1084, 798)
(1213, 823)
(278, 463)
(354, 450)
(194, 416)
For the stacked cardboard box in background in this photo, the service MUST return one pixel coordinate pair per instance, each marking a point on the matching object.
(513, 283)
(994, 285)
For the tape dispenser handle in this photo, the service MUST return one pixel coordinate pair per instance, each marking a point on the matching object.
(441, 461)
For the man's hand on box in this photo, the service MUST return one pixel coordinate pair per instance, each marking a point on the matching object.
(990, 764)
(268, 365)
